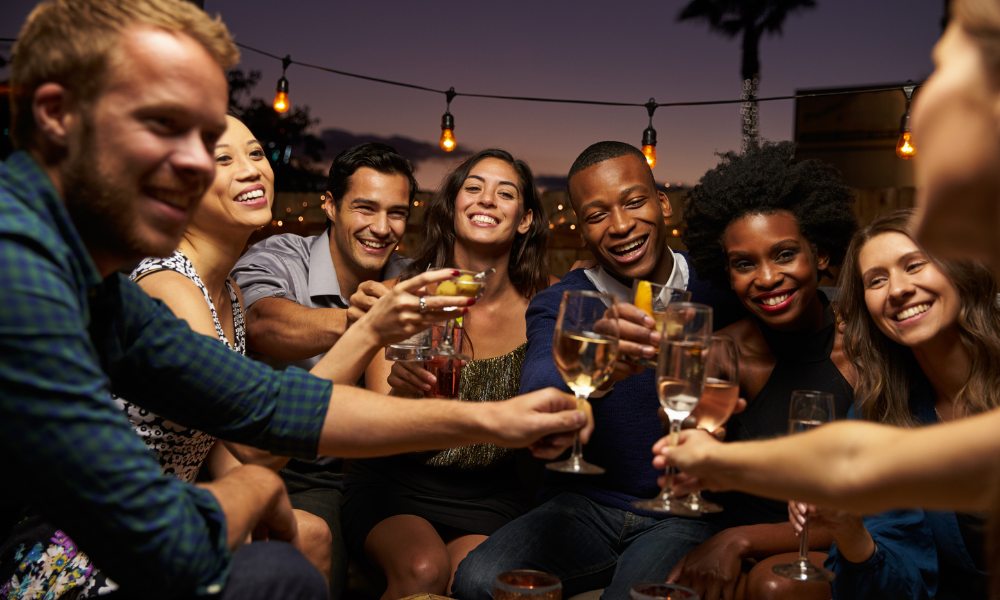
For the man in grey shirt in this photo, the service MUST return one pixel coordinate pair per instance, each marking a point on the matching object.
(297, 291)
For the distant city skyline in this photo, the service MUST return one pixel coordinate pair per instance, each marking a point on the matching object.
(626, 52)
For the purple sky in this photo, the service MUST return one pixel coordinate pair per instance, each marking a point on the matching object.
(620, 51)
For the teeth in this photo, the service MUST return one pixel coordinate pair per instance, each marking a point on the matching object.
(484, 219)
(373, 244)
(775, 300)
(253, 195)
(912, 311)
(626, 248)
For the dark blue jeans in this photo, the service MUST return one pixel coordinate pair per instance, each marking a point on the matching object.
(268, 570)
(587, 545)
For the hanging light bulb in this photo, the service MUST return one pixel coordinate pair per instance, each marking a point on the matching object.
(447, 141)
(904, 146)
(281, 102)
(649, 136)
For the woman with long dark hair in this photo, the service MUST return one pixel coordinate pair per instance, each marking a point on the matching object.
(417, 516)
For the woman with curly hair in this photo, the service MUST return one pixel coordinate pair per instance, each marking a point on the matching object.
(924, 335)
(769, 227)
(416, 516)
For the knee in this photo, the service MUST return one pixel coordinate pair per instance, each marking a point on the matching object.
(316, 540)
(473, 579)
(764, 584)
(424, 573)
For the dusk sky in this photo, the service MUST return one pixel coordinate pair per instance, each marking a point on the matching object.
(616, 51)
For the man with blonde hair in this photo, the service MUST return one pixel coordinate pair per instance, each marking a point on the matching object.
(116, 107)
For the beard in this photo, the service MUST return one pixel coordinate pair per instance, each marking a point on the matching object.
(102, 206)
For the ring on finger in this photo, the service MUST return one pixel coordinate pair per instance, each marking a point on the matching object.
(422, 303)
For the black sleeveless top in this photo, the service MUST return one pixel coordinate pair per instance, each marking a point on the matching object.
(802, 362)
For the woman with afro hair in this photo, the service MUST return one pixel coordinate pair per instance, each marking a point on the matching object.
(769, 228)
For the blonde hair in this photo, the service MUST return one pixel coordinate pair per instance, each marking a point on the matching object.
(72, 42)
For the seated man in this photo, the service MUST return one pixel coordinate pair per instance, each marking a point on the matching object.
(587, 533)
(115, 158)
(297, 290)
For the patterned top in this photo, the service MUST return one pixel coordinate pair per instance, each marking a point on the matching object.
(68, 337)
(181, 450)
(484, 380)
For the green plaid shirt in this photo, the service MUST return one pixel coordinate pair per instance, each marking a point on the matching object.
(67, 340)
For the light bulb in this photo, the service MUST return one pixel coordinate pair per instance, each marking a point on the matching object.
(281, 102)
(447, 141)
(904, 147)
(649, 151)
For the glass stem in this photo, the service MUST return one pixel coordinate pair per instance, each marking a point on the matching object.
(675, 432)
(804, 542)
(577, 446)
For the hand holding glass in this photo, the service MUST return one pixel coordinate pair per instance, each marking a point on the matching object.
(585, 348)
(653, 299)
(680, 379)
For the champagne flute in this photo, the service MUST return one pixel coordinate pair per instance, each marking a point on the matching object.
(680, 378)
(585, 348)
(718, 400)
(808, 409)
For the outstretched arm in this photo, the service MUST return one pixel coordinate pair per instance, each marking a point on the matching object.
(856, 466)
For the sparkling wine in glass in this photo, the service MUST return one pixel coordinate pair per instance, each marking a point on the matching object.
(653, 299)
(808, 409)
(680, 380)
(585, 348)
(718, 400)
(527, 584)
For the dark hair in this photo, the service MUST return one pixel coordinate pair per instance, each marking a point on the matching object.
(380, 157)
(602, 151)
(526, 264)
(763, 180)
(886, 368)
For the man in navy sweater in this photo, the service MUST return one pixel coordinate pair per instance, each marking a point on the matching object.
(586, 532)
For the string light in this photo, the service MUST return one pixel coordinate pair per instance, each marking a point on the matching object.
(447, 141)
(281, 101)
(904, 146)
(649, 135)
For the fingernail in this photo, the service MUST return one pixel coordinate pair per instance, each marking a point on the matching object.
(454, 272)
(471, 302)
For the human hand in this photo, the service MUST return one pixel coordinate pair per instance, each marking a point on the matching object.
(544, 421)
(713, 568)
(691, 422)
(637, 339)
(364, 299)
(397, 314)
(410, 379)
(691, 455)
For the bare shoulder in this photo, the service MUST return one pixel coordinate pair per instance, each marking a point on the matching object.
(182, 297)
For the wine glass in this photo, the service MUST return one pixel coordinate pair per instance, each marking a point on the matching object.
(585, 348)
(680, 378)
(653, 299)
(718, 400)
(808, 409)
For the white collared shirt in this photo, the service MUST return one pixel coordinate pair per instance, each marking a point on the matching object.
(604, 282)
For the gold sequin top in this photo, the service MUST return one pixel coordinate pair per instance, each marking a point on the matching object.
(486, 380)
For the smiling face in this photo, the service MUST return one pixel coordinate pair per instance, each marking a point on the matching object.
(955, 127)
(489, 207)
(368, 222)
(909, 298)
(139, 157)
(243, 190)
(774, 270)
(623, 217)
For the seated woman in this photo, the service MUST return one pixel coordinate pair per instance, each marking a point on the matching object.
(925, 338)
(417, 516)
(194, 283)
(768, 227)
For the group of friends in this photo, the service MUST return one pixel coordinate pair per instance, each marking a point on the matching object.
(124, 220)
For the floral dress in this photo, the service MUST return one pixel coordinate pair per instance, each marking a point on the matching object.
(47, 563)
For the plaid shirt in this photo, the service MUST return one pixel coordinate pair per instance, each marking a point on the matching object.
(67, 340)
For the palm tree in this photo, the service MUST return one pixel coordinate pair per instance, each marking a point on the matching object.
(752, 19)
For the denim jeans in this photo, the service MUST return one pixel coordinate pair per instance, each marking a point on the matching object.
(268, 570)
(587, 545)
